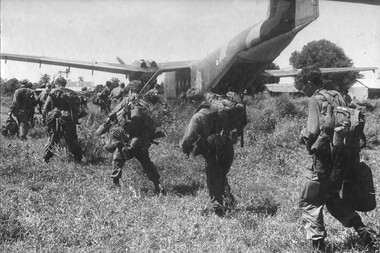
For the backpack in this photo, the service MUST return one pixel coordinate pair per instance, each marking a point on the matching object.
(10, 128)
(129, 118)
(343, 125)
(67, 97)
(359, 190)
(218, 117)
(230, 115)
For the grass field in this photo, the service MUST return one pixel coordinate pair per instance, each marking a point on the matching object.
(67, 207)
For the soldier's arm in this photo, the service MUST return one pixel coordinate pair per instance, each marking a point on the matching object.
(311, 132)
(14, 108)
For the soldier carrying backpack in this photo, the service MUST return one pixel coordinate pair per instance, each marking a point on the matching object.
(212, 132)
(61, 113)
(332, 137)
(24, 102)
(130, 131)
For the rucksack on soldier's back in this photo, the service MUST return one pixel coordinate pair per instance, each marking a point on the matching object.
(345, 125)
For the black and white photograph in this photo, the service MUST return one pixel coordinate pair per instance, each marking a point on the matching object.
(190, 126)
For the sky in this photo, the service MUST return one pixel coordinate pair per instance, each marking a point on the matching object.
(163, 30)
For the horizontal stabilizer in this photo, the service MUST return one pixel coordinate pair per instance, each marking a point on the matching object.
(295, 72)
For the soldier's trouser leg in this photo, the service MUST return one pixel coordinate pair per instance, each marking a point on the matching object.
(52, 141)
(117, 166)
(215, 180)
(218, 164)
(23, 123)
(312, 200)
(71, 137)
(148, 166)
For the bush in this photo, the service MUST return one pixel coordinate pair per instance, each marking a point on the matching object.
(9, 87)
(285, 107)
(264, 121)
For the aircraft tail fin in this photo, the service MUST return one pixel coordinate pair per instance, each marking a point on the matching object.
(288, 15)
(306, 11)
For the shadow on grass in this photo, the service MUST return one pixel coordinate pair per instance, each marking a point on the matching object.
(186, 189)
(267, 207)
(10, 228)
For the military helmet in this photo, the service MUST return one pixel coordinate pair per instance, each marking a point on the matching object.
(24, 82)
(61, 81)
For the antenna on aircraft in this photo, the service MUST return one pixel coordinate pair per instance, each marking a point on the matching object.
(154, 75)
(120, 60)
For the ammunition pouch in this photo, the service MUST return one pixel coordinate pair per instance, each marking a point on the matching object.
(322, 145)
(52, 120)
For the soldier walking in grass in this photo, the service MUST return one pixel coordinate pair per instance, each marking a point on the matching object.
(130, 132)
(24, 102)
(212, 132)
(61, 114)
(117, 94)
(331, 164)
(102, 99)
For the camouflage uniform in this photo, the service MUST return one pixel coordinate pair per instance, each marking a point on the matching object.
(130, 138)
(323, 183)
(60, 111)
(212, 134)
(24, 102)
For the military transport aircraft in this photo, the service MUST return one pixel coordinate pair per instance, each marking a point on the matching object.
(232, 67)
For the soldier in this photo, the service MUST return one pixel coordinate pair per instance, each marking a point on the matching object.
(104, 96)
(24, 102)
(212, 132)
(61, 113)
(322, 185)
(347, 98)
(117, 94)
(42, 97)
(130, 132)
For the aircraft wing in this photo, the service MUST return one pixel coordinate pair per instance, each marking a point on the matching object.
(295, 72)
(137, 67)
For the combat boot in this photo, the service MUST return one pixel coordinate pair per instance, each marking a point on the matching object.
(159, 189)
(319, 245)
(368, 236)
(116, 175)
(218, 208)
